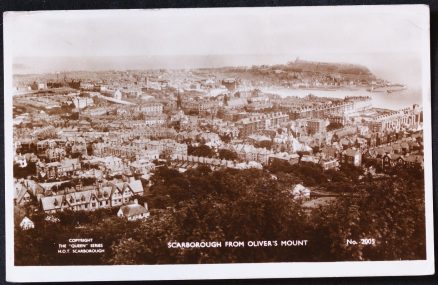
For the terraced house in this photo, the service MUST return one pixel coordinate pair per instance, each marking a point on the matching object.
(92, 197)
(58, 169)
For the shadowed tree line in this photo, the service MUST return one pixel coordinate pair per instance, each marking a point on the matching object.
(245, 205)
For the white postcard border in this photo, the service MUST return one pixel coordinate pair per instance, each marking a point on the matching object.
(223, 271)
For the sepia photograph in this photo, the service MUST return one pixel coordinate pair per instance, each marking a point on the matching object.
(238, 142)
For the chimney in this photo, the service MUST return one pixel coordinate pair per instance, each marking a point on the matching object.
(146, 205)
(135, 201)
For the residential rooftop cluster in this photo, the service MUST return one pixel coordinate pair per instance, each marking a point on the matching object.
(94, 140)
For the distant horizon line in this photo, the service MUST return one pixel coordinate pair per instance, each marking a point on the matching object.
(227, 54)
(401, 67)
(213, 66)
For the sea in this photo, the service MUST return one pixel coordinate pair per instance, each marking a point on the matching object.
(393, 101)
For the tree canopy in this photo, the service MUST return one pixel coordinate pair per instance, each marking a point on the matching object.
(246, 205)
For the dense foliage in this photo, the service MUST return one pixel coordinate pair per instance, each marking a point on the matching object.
(247, 205)
(201, 150)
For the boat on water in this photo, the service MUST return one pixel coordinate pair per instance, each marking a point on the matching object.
(388, 88)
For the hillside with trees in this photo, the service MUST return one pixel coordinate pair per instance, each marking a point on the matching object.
(246, 205)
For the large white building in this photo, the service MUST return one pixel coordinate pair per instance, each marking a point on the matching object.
(150, 108)
(82, 102)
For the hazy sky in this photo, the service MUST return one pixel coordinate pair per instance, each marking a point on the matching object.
(264, 34)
